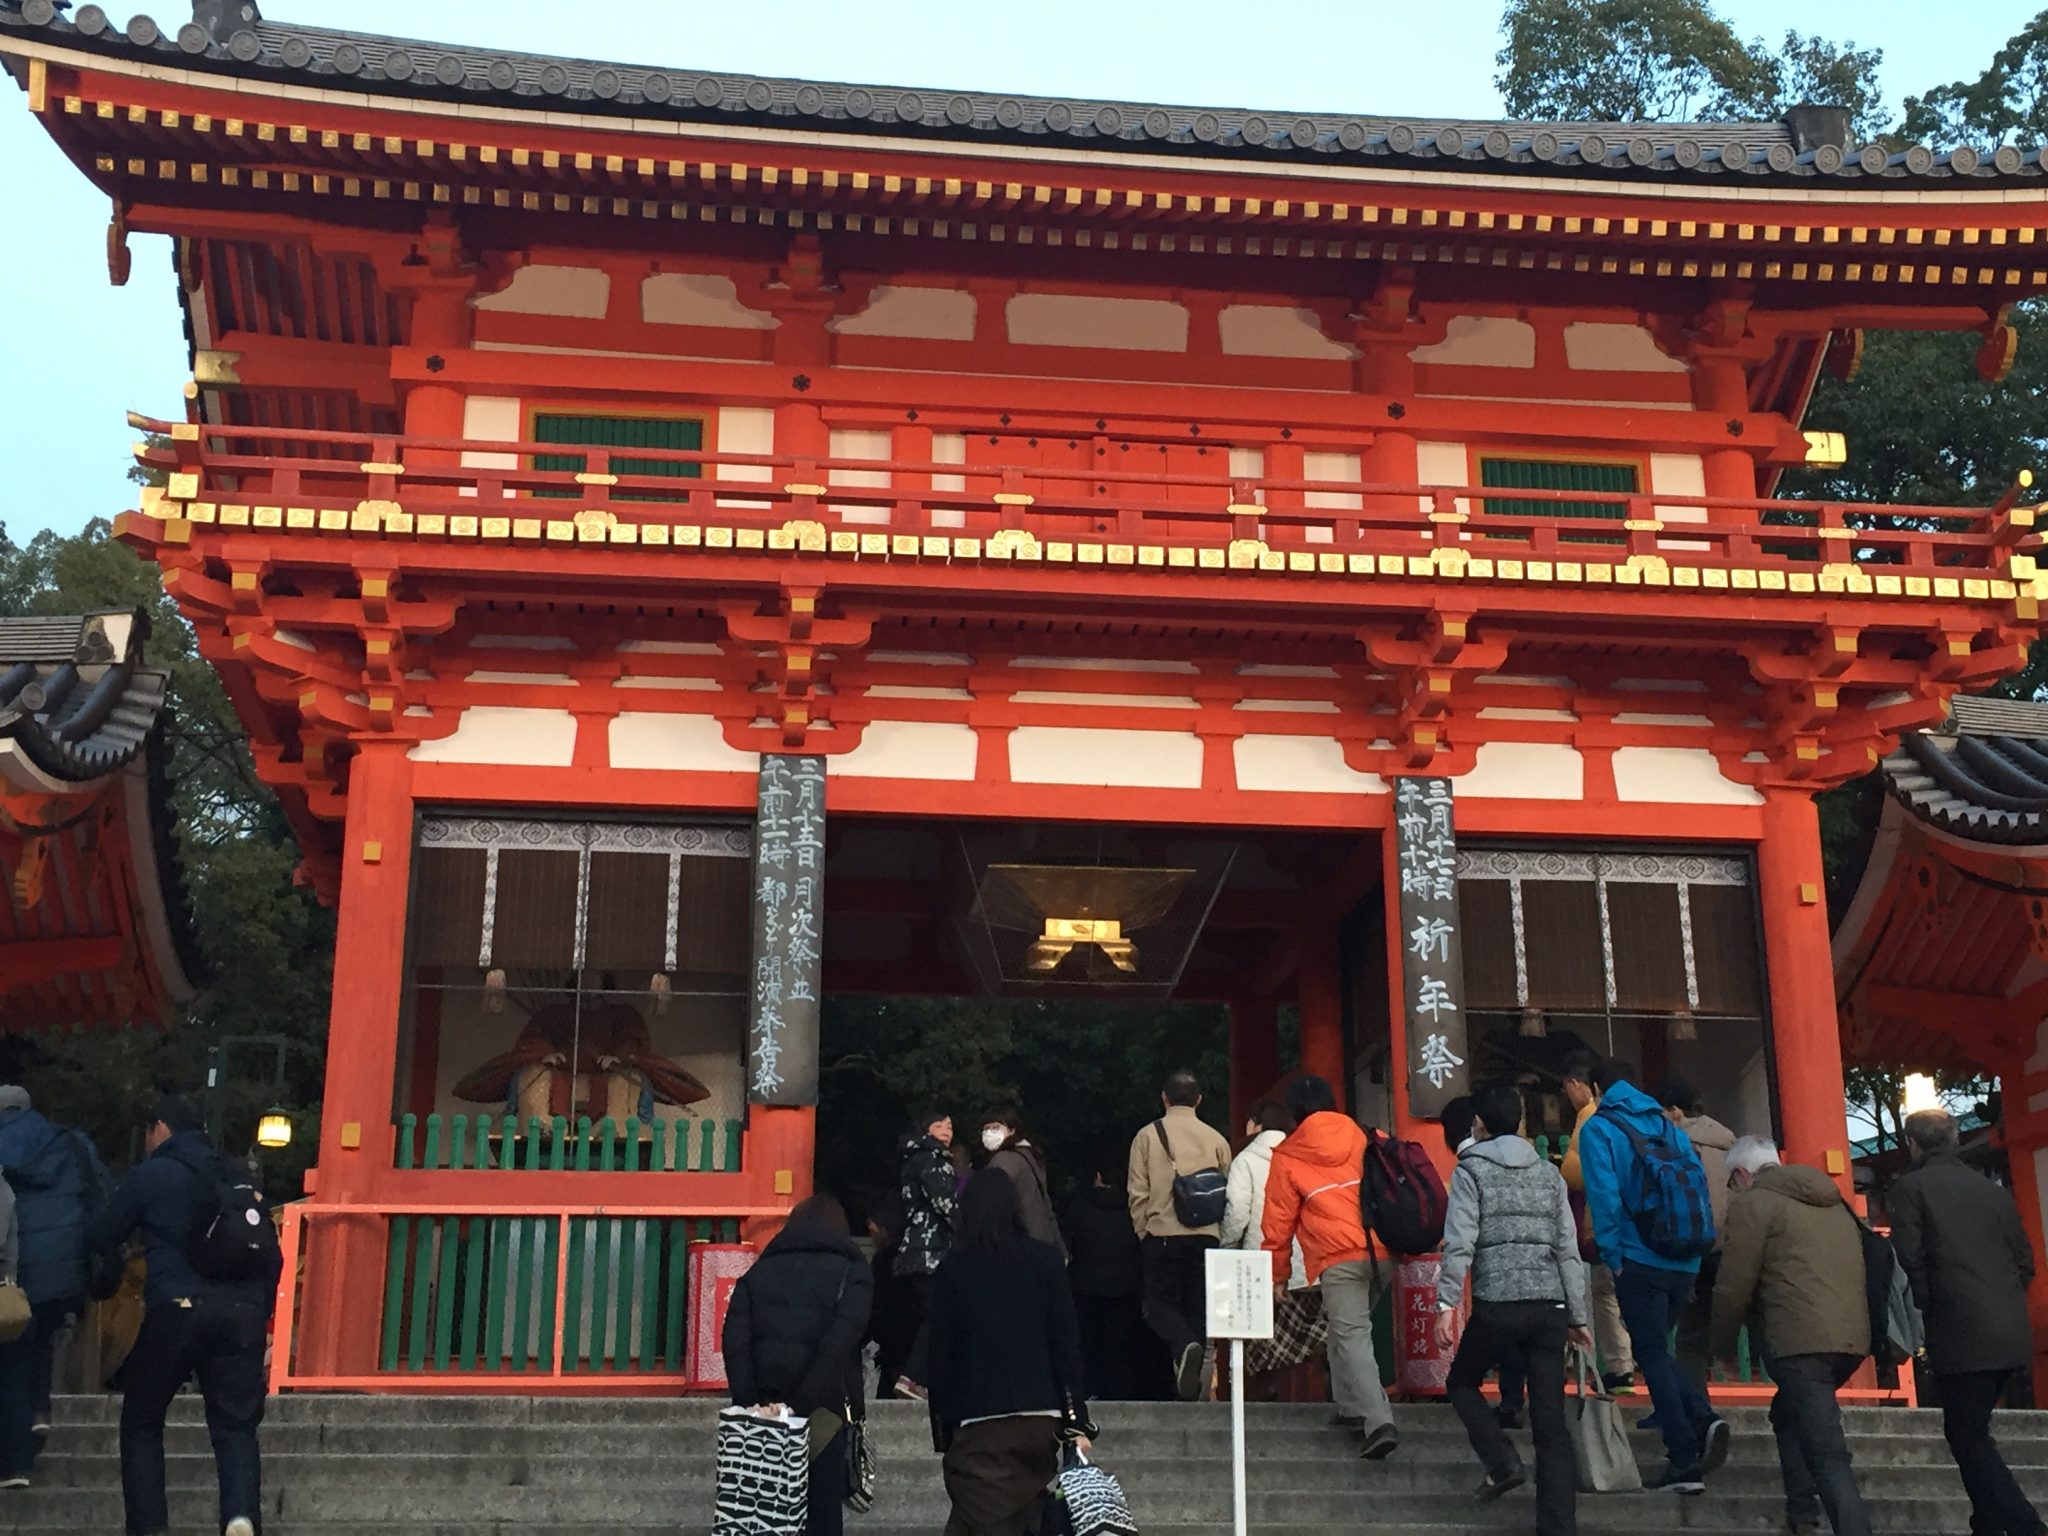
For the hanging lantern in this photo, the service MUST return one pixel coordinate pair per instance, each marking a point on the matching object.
(1535, 1026)
(1683, 1025)
(661, 989)
(274, 1130)
(494, 990)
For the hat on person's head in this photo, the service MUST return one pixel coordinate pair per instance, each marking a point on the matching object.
(177, 1113)
(13, 1096)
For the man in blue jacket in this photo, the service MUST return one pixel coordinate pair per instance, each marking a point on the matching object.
(58, 1185)
(1651, 1287)
(191, 1325)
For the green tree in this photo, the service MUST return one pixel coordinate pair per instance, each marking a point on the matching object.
(2008, 101)
(1670, 60)
(265, 946)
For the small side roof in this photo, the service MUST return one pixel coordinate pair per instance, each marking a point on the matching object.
(1982, 776)
(76, 704)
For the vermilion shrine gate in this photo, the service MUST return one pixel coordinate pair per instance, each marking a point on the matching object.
(686, 545)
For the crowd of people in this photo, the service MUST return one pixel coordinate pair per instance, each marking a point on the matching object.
(1652, 1249)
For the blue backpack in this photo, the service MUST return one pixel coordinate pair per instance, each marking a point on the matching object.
(1665, 1193)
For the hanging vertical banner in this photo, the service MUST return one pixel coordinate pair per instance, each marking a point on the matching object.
(789, 891)
(1432, 961)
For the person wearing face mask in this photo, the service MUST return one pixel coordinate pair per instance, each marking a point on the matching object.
(1011, 1154)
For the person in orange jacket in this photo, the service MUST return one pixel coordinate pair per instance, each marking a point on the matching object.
(1312, 1197)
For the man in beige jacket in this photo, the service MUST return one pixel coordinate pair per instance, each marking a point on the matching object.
(1177, 1144)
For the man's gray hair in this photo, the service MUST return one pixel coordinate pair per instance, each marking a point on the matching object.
(1751, 1153)
(1931, 1130)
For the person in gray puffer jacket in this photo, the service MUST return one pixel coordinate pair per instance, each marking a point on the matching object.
(1509, 1226)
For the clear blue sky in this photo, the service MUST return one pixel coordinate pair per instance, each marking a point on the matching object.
(76, 354)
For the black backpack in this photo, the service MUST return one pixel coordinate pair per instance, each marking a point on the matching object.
(1198, 1198)
(233, 1237)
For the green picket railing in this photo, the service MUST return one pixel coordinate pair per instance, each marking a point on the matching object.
(476, 1293)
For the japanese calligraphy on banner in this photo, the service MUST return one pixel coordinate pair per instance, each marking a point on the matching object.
(1432, 961)
(789, 906)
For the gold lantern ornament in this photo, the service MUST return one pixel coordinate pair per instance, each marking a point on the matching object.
(274, 1130)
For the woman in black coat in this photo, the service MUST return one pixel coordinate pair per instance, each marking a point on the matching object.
(1006, 1372)
(792, 1340)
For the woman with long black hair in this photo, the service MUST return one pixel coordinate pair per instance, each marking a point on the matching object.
(1006, 1372)
(792, 1340)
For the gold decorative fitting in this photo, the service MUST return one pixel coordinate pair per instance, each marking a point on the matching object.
(1826, 450)
(586, 477)
(1643, 524)
(561, 531)
(1013, 498)
(805, 535)
(878, 544)
(750, 538)
(1452, 563)
(1243, 554)
(1013, 544)
(1450, 517)
(149, 501)
(803, 488)
(182, 486)
(1836, 533)
(381, 467)
(185, 432)
(903, 544)
(1244, 509)
(718, 538)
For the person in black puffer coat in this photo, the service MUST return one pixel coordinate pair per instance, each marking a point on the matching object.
(59, 1185)
(1124, 1359)
(792, 1337)
(929, 1193)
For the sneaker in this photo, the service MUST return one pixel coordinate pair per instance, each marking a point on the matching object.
(1674, 1481)
(20, 1480)
(905, 1387)
(1619, 1385)
(1714, 1445)
(1494, 1487)
(241, 1525)
(1187, 1373)
(1381, 1443)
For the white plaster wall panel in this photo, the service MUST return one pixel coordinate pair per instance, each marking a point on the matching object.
(1518, 712)
(920, 691)
(909, 749)
(1647, 717)
(298, 641)
(1660, 685)
(1103, 664)
(489, 419)
(1677, 776)
(1309, 765)
(699, 298)
(1332, 466)
(1524, 770)
(521, 738)
(674, 684)
(1613, 348)
(1282, 669)
(1482, 341)
(527, 679)
(1080, 320)
(569, 293)
(923, 314)
(949, 448)
(1105, 700)
(1267, 330)
(672, 647)
(644, 740)
(852, 444)
(1059, 754)
(1443, 464)
(745, 429)
(920, 658)
(1287, 706)
(1679, 474)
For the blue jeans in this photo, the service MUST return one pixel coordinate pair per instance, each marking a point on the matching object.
(1651, 1299)
(25, 1385)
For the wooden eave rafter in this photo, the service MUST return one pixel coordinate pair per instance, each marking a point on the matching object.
(170, 139)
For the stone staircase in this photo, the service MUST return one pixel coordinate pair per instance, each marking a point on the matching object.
(417, 1466)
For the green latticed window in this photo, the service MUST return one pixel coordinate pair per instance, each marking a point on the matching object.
(1559, 475)
(619, 432)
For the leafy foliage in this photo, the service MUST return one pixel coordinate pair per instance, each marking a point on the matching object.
(1670, 60)
(266, 947)
(2008, 101)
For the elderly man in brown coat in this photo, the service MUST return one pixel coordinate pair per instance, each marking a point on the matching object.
(1792, 1267)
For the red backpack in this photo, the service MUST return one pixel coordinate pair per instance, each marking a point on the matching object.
(1401, 1195)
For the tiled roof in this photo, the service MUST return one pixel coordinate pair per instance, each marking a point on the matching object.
(232, 39)
(73, 698)
(1984, 776)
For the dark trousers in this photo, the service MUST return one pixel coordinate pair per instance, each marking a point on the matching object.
(1533, 1333)
(1650, 1299)
(1997, 1506)
(917, 1363)
(222, 1344)
(1812, 1451)
(826, 1511)
(25, 1386)
(1514, 1381)
(1124, 1363)
(1695, 1327)
(1176, 1281)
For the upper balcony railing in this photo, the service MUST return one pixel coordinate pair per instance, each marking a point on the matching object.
(348, 482)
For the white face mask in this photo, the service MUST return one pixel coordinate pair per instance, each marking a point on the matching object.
(994, 1136)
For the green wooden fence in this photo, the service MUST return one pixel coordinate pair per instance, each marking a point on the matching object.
(473, 1293)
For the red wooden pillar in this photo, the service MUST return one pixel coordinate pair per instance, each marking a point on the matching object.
(780, 1148)
(344, 1278)
(1320, 994)
(1805, 1034)
(2021, 1153)
(1254, 1054)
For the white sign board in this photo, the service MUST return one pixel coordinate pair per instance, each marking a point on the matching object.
(1240, 1293)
